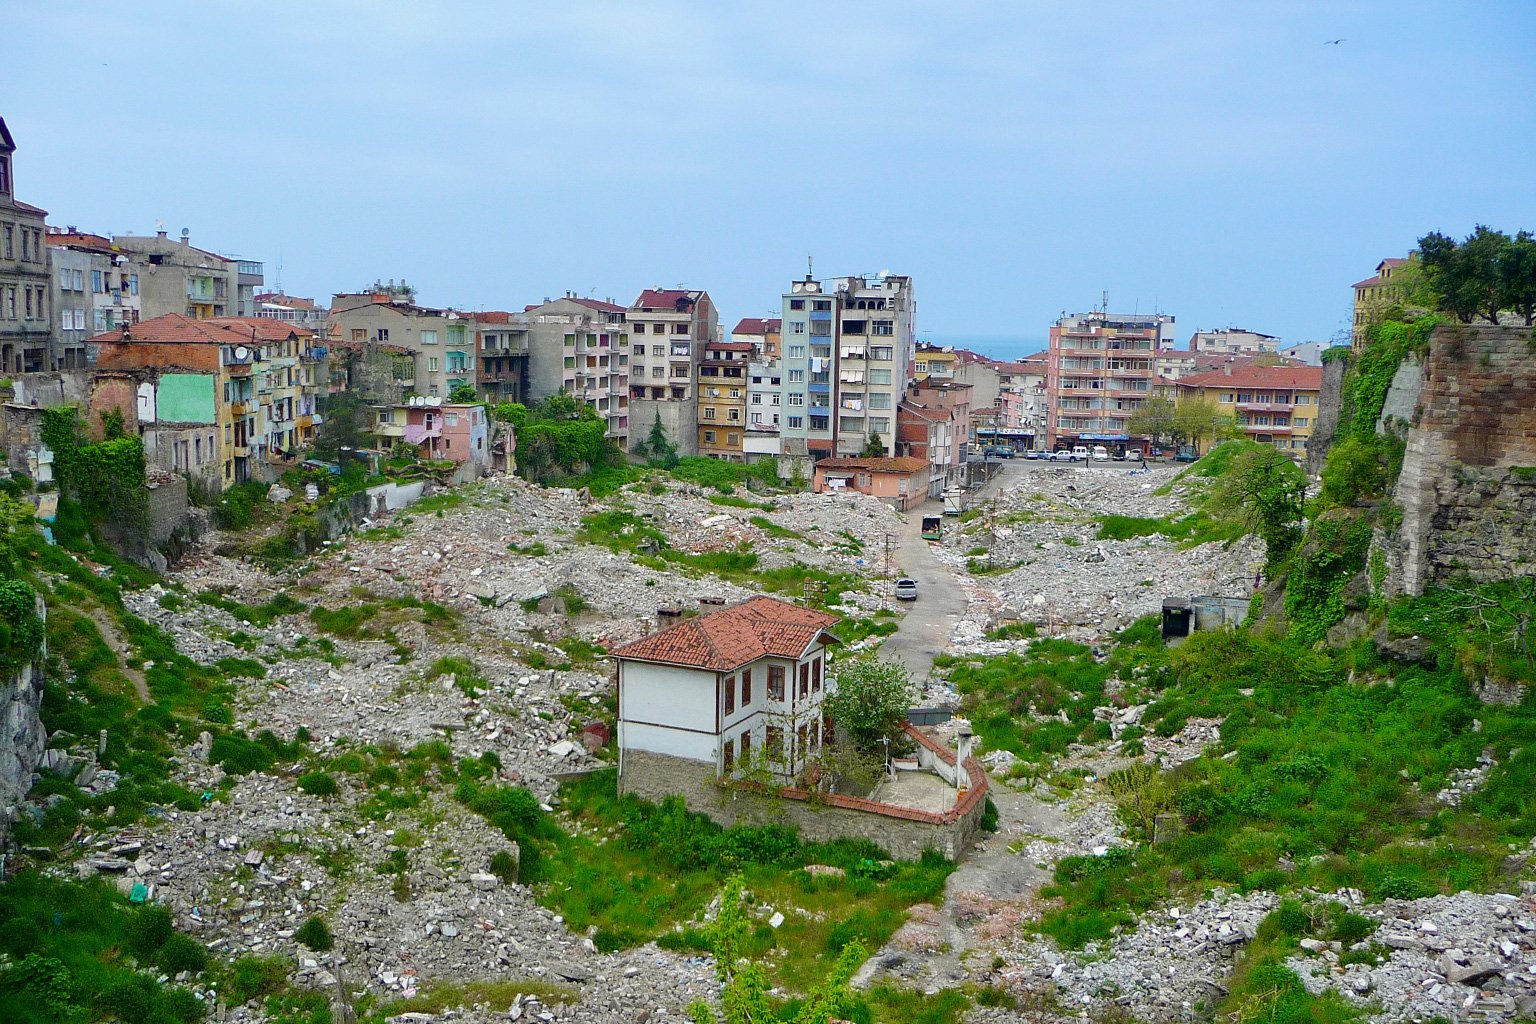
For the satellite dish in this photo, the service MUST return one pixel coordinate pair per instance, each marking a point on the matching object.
(241, 352)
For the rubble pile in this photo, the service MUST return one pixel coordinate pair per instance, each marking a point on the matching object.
(1044, 528)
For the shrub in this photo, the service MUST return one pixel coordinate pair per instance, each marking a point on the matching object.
(21, 631)
(315, 934)
(504, 866)
(131, 998)
(182, 953)
(318, 783)
(147, 931)
(252, 977)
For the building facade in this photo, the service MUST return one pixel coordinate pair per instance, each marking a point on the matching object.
(26, 318)
(501, 346)
(723, 379)
(934, 424)
(582, 346)
(222, 400)
(727, 693)
(1275, 405)
(178, 277)
(1376, 294)
(765, 334)
(1099, 370)
(1233, 341)
(900, 481)
(765, 389)
(668, 329)
(848, 347)
(397, 349)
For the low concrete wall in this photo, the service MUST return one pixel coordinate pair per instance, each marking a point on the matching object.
(903, 831)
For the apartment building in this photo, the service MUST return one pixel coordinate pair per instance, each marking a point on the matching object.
(934, 361)
(582, 346)
(848, 348)
(25, 276)
(178, 277)
(501, 346)
(95, 288)
(222, 400)
(446, 431)
(291, 309)
(1007, 397)
(765, 390)
(396, 348)
(723, 380)
(765, 335)
(1232, 341)
(1376, 294)
(1099, 370)
(1270, 404)
(934, 424)
(668, 329)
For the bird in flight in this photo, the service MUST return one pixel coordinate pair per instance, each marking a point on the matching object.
(1332, 42)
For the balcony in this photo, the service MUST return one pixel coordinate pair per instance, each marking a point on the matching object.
(306, 422)
(819, 388)
(240, 451)
(238, 369)
(240, 409)
(1280, 407)
(389, 429)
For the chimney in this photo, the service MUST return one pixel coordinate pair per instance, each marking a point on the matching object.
(159, 234)
(1227, 368)
(964, 753)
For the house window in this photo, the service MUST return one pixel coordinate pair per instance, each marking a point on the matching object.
(658, 328)
(730, 694)
(709, 412)
(882, 327)
(733, 439)
(746, 690)
(1226, 396)
(746, 747)
(775, 683)
(797, 327)
(816, 676)
(821, 305)
(796, 376)
(658, 350)
(879, 376)
(796, 422)
(432, 364)
(880, 352)
(773, 738)
(805, 680)
(728, 755)
(796, 303)
(709, 437)
(796, 398)
(429, 337)
(797, 351)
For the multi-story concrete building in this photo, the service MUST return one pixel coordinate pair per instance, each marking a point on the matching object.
(765, 390)
(1007, 398)
(581, 346)
(178, 277)
(848, 353)
(934, 424)
(95, 288)
(668, 329)
(933, 361)
(501, 344)
(1232, 341)
(395, 348)
(291, 309)
(26, 324)
(1270, 404)
(723, 382)
(222, 400)
(764, 334)
(1100, 368)
(1375, 294)
(1174, 363)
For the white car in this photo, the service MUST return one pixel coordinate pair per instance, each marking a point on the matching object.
(906, 589)
(1100, 453)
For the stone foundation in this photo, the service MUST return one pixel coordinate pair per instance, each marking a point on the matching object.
(903, 831)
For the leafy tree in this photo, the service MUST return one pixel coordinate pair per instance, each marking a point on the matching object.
(870, 700)
(874, 448)
(1517, 276)
(345, 426)
(1354, 470)
(1196, 419)
(462, 394)
(1154, 418)
(1268, 491)
(1484, 273)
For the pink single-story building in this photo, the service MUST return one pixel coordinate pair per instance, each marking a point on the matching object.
(902, 481)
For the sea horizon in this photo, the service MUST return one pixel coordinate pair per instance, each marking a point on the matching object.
(1002, 347)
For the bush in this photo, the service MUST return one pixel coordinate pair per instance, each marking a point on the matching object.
(182, 953)
(240, 755)
(504, 866)
(318, 784)
(315, 934)
(21, 631)
(147, 931)
(252, 977)
(131, 999)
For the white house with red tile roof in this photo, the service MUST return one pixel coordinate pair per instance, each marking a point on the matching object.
(714, 693)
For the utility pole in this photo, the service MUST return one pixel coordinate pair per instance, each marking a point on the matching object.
(890, 586)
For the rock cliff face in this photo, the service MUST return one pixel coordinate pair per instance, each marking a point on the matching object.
(1468, 484)
(22, 736)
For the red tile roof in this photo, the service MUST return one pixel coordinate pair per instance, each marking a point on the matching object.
(758, 325)
(80, 240)
(729, 346)
(759, 627)
(883, 464)
(1300, 378)
(174, 328)
(1369, 282)
(493, 316)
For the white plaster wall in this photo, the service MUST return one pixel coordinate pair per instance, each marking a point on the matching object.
(666, 695)
(661, 740)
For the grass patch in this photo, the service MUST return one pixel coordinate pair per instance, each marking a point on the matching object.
(257, 615)
(439, 997)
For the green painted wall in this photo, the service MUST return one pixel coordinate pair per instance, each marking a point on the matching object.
(185, 398)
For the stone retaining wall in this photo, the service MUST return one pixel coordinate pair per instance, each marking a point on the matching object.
(904, 831)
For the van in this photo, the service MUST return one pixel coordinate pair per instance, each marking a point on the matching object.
(1079, 453)
(1100, 453)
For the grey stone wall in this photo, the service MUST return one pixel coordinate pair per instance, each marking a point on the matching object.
(22, 737)
(1327, 424)
(657, 776)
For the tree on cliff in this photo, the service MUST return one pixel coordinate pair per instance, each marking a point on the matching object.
(1484, 273)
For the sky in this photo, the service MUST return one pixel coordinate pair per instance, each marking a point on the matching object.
(1218, 161)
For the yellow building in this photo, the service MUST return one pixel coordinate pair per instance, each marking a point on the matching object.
(1270, 404)
(723, 399)
(1375, 294)
(933, 361)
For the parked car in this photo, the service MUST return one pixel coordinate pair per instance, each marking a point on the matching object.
(906, 589)
(1100, 453)
(1030, 453)
(1133, 455)
(1079, 453)
(1155, 453)
(1000, 451)
(1186, 454)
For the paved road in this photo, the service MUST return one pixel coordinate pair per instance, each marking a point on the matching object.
(930, 621)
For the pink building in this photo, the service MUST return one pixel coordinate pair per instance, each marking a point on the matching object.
(902, 481)
(458, 433)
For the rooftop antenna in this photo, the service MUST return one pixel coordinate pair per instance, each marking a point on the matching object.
(1105, 308)
(809, 273)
